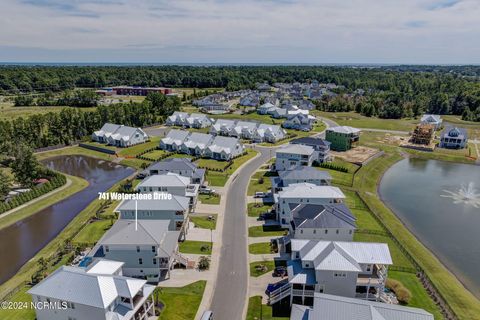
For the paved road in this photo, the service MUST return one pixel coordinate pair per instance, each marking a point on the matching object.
(230, 294)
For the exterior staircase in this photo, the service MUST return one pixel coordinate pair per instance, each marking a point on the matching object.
(183, 260)
(280, 293)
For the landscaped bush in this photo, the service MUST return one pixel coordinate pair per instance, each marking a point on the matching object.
(332, 166)
(403, 294)
(204, 263)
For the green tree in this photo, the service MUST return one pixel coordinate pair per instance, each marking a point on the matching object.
(25, 167)
(4, 184)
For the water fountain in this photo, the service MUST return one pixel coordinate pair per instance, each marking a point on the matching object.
(467, 194)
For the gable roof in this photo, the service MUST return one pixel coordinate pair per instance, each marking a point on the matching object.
(166, 180)
(304, 173)
(330, 307)
(176, 203)
(75, 285)
(431, 118)
(454, 132)
(173, 164)
(342, 256)
(198, 139)
(310, 141)
(309, 190)
(144, 232)
(175, 136)
(226, 144)
(344, 129)
(296, 149)
(322, 216)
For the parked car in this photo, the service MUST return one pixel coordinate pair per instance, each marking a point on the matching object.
(205, 190)
(268, 216)
(274, 286)
(260, 195)
(280, 272)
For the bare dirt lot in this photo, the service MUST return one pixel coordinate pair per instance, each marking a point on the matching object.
(356, 155)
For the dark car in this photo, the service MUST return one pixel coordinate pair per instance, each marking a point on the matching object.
(274, 286)
(280, 272)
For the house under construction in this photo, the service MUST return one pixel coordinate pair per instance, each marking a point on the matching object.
(423, 134)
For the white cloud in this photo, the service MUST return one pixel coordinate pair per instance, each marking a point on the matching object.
(409, 31)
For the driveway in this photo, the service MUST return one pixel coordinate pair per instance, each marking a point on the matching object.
(230, 295)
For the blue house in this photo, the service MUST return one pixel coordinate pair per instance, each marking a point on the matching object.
(454, 138)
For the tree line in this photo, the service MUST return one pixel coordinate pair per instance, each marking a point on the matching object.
(390, 92)
(71, 98)
(70, 124)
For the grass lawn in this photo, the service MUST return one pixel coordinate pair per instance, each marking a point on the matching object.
(155, 154)
(250, 116)
(365, 220)
(93, 231)
(420, 298)
(9, 112)
(262, 231)
(217, 179)
(139, 148)
(220, 178)
(255, 209)
(260, 248)
(203, 221)
(212, 164)
(134, 163)
(180, 303)
(257, 310)
(77, 185)
(195, 247)
(74, 151)
(209, 198)
(254, 272)
(357, 120)
(256, 186)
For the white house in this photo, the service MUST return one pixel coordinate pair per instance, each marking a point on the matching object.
(224, 148)
(293, 156)
(148, 248)
(433, 119)
(172, 183)
(244, 130)
(174, 140)
(303, 193)
(196, 143)
(175, 210)
(333, 222)
(299, 121)
(119, 135)
(348, 269)
(198, 120)
(331, 307)
(177, 119)
(269, 133)
(264, 108)
(321, 147)
(303, 174)
(181, 166)
(81, 294)
(222, 127)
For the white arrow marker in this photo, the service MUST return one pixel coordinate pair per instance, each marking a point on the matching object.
(136, 216)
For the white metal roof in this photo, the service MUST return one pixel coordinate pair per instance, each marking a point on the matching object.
(165, 180)
(344, 129)
(309, 190)
(102, 266)
(296, 149)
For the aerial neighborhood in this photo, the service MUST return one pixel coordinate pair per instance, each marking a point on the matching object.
(262, 160)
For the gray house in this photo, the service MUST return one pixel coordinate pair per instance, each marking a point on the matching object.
(330, 307)
(224, 148)
(332, 222)
(269, 133)
(349, 269)
(223, 127)
(180, 166)
(293, 156)
(196, 143)
(147, 247)
(177, 119)
(454, 138)
(198, 120)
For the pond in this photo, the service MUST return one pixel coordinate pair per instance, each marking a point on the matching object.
(440, 203)
(22, 240)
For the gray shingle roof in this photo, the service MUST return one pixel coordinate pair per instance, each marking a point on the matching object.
(176, 203)
(309, 141)
(296, 149)
(454, 132)
(304, 172)
(173, 164)
(148, 232)
(322, 216)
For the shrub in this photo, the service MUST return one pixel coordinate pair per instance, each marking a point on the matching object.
(403, 294)
(204, 263)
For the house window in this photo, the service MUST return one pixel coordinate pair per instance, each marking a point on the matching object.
(314, 231)
(154, 261)
(138, 249)
(107, 249)
(307, 265)
(153, 248)
(326, 231)
(339, 275)
(140, 261)
(297, 255)
(301, 231)
(350, 232)
(369, 268)
(338, 231)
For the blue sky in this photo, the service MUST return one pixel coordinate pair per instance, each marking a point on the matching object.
(236, 31)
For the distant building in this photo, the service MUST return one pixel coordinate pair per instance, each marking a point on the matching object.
(119, 135)
(293, 156)
(454, 138)
(93, 294)
(265, 108)
(269, 133)
(174, 140)
(321, 147)
(139, 91)
(342, 138)
(433, 119)
(177, 119)
(330, 307)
